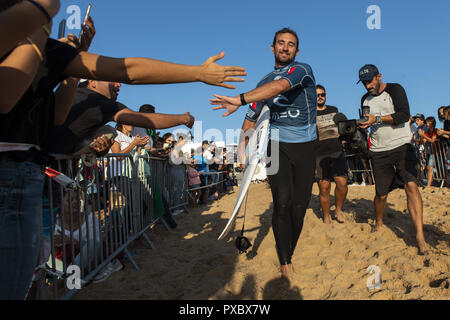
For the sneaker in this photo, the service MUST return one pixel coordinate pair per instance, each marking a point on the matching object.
(177, 212)
(115, 265)
(107, 271)
(354, 185)
(103, 275)
(363, 184)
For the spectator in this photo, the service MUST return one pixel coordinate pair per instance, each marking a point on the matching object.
(419, 120)
(95, 105)
(429, 138)
(23, 130)
(147, 108)
(445, 133)
(194, 182)
(20, 19)
(441, 114)
(26, 125)
(125, 143)
(213, 168)
(177, 156)
(202, 168)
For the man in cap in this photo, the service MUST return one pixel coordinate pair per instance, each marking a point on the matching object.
(393, 158)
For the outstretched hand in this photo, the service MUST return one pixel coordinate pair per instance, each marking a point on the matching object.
(229, 103)
(190, 120)
(216, 75)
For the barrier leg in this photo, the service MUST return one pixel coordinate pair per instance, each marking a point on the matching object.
(152, 246)
(130, 257)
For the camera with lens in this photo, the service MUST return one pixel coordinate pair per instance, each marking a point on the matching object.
(351, 133)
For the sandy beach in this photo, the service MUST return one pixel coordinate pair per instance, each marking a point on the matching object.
(331, 260)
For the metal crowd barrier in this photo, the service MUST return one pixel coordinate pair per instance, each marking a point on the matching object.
(89, 223)
(441, 162)
(368, 170)
(221, 180)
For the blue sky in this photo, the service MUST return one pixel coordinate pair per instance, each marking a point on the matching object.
(412, 47)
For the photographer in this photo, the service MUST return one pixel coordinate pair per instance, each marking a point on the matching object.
(393, 158)
(331, 164)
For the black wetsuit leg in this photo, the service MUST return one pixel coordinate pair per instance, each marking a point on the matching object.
(291, 191)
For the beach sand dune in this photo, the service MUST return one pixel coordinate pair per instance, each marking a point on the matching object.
(330, 260)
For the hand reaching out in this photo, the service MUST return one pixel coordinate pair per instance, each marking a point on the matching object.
(229, 103)
(215, 74)
(102, 144)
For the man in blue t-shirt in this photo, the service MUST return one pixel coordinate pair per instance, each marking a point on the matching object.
(290, 93)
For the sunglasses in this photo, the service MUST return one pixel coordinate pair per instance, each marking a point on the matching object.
(321, 95)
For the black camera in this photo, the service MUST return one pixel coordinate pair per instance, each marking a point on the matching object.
(352, 134)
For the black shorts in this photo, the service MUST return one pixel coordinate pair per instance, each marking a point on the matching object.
(394, 168)
(329, 167)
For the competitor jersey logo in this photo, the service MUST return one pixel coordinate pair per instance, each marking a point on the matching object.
(291, 70)
(253, 106)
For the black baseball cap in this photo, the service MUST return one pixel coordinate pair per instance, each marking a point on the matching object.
(419, 116)
(367, 73)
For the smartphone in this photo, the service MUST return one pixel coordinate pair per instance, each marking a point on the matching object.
(62, 29)
(88, 13)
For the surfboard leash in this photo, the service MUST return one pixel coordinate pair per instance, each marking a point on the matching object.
(242, 243)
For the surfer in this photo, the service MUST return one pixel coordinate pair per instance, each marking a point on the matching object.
(290, 93)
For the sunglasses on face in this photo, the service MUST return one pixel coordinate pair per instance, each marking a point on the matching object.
(321, 95)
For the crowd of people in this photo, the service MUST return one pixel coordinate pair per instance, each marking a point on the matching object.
(37, 122)
(430, 140)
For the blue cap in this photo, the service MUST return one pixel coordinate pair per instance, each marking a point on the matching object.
(368, 72)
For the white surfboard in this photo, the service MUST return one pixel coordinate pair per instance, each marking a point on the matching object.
(257, 149)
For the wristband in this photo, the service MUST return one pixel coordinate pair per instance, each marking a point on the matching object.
(46, 30)
(37, 5)
(243, 102)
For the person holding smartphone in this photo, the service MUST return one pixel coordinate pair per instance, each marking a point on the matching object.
(27, 119)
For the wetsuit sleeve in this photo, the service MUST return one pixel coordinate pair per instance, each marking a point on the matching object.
(401, 104)
(299, 76)
(254, 111)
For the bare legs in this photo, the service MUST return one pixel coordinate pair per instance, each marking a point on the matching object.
(430, 176)
(415, 208)
(340, 196)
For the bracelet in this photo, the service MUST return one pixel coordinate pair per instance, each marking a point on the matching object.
(243, 102)
(37, 5)
(47, 30)
(35, 47)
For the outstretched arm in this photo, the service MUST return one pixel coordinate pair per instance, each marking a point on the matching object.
(153, 120)
(150, 71)
(22, 20)
(265, 92)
